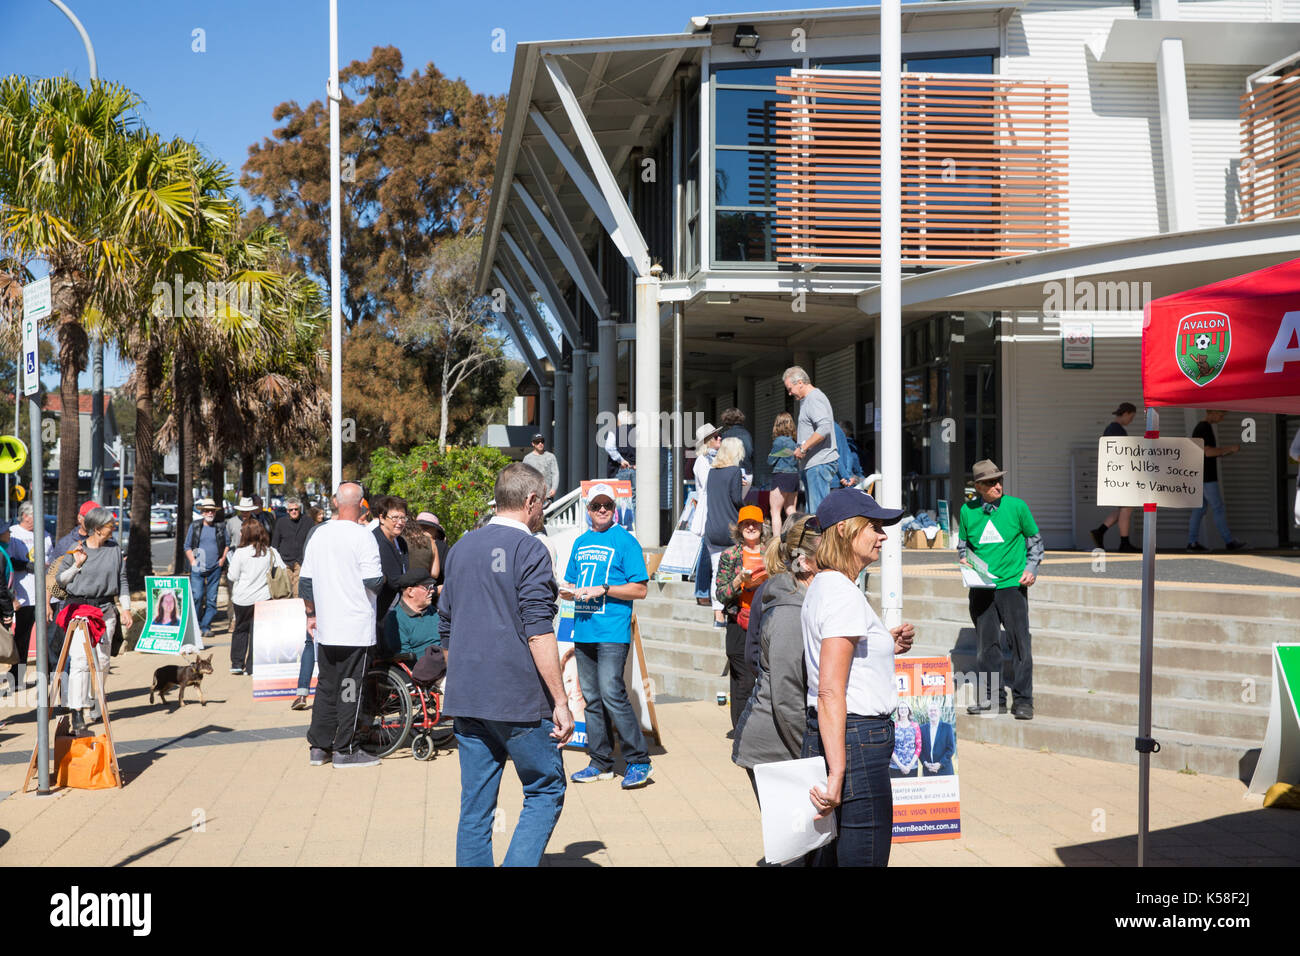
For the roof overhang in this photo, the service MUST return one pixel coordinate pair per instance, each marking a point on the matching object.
(1172, 262)
(1205, 42)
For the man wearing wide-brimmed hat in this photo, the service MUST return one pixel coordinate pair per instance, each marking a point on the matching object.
(998, 536)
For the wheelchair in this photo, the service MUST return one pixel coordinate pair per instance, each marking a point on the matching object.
(402, 709)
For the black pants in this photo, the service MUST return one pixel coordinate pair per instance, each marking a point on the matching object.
(1010, 606)
(241, 641)
(742, 679)
(340, 716)
(24, 621)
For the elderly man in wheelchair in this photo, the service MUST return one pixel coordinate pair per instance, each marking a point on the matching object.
(402, 687)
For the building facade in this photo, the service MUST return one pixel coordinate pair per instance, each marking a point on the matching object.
(697, 211)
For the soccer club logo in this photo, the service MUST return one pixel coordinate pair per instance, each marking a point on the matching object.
(1201, 345)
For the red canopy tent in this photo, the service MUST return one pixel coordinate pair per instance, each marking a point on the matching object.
(1233, 345)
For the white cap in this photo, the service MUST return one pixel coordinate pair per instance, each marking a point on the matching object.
(602, 489)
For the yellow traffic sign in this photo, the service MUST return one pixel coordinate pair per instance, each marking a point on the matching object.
(13, 454)
(19, 492)
(275, 473)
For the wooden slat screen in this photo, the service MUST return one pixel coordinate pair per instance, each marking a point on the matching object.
(1269, 175)
(983, 168)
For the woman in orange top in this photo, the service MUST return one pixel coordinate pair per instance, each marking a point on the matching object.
(740, 572)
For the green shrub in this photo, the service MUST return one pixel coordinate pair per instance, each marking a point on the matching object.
(455, 484)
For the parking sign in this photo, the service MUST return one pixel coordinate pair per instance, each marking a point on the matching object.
(36, 306)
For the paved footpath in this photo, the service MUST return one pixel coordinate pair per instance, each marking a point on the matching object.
(228, 784)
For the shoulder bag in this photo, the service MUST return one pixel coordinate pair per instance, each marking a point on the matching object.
(277, 578)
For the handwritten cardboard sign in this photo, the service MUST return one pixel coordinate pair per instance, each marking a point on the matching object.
(1167, 472)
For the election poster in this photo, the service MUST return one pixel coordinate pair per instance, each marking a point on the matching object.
(683, 551)
(170, 623)
(640, 687)
(923, 767)
(279, 634)
(624, 511)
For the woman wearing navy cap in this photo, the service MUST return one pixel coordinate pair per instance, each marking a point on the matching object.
(849, 655)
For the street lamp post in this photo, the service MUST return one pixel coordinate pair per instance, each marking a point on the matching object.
(336, 292)
(97, 342)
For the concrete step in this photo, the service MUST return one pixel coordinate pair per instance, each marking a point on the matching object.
(1243, 721)
(1207, 629)
(686, 684)
(708, 661)
(1188, 600)
(1221, 756)
(1124, 650)
(1167, 683)
(693, 634)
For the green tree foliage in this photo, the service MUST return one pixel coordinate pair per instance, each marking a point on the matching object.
(454, 483)
(418, 154)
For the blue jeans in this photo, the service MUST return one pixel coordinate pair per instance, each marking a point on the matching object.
(1213, 499)
(306, 667)
(818, 481)
(704, 574)
(865, 816)
(483, 746)
(600, 673)
(203, 587)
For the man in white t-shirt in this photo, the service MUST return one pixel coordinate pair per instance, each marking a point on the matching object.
(340, 576)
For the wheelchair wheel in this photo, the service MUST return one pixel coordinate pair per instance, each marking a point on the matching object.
(422, 747)
(389, 702)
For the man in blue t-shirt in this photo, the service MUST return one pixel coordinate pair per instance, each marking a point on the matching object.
(606, 573)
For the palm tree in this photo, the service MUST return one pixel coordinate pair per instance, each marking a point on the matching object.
(60, 146)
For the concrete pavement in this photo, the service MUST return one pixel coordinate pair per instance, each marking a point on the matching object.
(228, 784)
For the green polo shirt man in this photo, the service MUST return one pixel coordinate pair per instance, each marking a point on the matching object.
(998, 536)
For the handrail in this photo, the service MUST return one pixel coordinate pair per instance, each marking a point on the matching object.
(565, 511)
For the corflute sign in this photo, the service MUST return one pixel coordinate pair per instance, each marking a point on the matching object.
(1233, 345)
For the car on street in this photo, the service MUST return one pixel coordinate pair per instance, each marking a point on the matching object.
(161, 522)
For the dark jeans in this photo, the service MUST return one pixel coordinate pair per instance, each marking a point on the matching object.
(704, 574)
(865, 816)
(241, 641)
(742, 678)
(306, 667)
(24, 621)
(1010, 606)
(483, 746)
(340, 716)
(600, 672)
(203, 588)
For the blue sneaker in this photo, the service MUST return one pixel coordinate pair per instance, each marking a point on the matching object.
(638, 775)
(590, 774)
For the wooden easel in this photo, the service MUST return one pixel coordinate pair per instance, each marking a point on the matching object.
(79, 626)
(650, 703)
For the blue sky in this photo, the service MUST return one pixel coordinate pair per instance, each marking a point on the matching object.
(258, 54)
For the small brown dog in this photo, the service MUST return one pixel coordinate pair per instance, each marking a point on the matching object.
(181, 676)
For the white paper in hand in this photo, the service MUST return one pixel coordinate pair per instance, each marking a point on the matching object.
(790, 827)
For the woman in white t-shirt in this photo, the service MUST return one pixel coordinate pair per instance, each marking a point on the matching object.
(247, 570)
(849, 655)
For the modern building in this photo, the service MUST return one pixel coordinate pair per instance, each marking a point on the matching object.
(699, 210)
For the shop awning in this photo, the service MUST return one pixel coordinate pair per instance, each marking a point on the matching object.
(1233, 344)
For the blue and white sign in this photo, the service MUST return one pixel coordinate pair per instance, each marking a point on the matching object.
(36, 306)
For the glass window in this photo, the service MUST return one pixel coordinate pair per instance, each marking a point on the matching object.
(742, 236)
(752, 75)
(982, 63)
(869, 64)
(745, 118)
(745, 177)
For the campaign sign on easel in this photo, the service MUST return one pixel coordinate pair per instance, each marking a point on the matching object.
(170, 622)
(1279, 758)
(923, 767)
(640, 688)
(279, 634)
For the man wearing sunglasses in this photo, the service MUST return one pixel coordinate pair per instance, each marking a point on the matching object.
(608, 573)
(290, 537)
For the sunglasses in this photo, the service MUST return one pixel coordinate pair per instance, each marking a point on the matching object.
(598, 507)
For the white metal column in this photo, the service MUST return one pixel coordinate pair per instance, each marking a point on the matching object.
(647, 409)
(1175, 126)
(891, 354)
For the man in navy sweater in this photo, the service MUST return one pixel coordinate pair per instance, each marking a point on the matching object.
(504, 684)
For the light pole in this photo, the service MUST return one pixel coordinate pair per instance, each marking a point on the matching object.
(891, 353)
(336, 292)
(97, 342)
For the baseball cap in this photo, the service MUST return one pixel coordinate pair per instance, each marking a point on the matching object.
(88, 507)
(750, 513)
(601, 490)
(414, 577)
(538, 437)
(844, 503)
